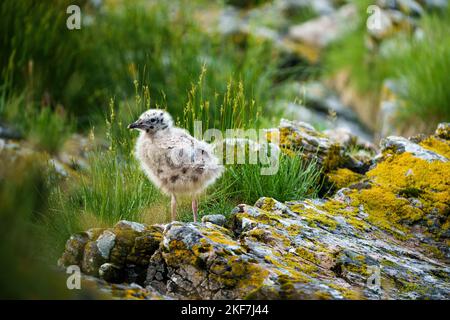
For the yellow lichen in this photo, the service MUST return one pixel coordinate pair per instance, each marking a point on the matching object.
(268, 204)
(314, 217)
(350, 294)
(394, 181)
(217, 236)
(437, 145)
(343, 177)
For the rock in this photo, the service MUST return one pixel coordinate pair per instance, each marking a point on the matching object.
(390, 18)
(390, 104)
(321, 98)
(128, 244)
(383, 235)
(408, 7)
(399, 145)
(328, 150)
(92, 259)
(74, 250)
(9, 133)
(101, 289)
(300, 137)
(145, 245)
(343, 177)
(75, 150)
(443, 131)
(319, 7)
(435, 4)
(309, 38)
(58, 167)
(105, 243)
(218, 219)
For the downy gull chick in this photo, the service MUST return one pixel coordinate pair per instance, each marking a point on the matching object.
(173, 160)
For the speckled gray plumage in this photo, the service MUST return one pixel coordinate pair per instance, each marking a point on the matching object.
(173, 160)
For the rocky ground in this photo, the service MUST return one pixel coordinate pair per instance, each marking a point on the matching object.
(384, 234)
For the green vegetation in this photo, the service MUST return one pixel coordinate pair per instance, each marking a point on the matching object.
(424, 65)
(25, 275)
(44, 128)
(137, 40)
(295, 180)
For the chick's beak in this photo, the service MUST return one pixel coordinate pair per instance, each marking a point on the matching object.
(135, 125)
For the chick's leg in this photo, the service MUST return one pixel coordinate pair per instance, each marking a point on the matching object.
(194, 209)
(173, 207)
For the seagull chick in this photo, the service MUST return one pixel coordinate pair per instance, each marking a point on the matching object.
(173, 160)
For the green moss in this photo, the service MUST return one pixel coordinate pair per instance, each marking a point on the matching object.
(217, 236)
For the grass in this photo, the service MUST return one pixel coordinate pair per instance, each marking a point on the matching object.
(424, 66)
(229, 110)
(295, 180)
(158, 43)
(34, 40)
(43, 127)
(243, 183)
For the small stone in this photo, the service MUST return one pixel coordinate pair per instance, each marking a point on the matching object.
(105, 243)
(217, 219)
(139, 227)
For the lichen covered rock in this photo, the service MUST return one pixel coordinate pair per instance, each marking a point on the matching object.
(302, 138)
(383, 235)
(328, 152)
(117, 254)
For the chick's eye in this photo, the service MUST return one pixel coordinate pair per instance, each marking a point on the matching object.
(152, 120)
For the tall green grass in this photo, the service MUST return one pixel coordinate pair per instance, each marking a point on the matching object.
(159, 43)
(230, 109)
(295, 180)
(423, 66)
